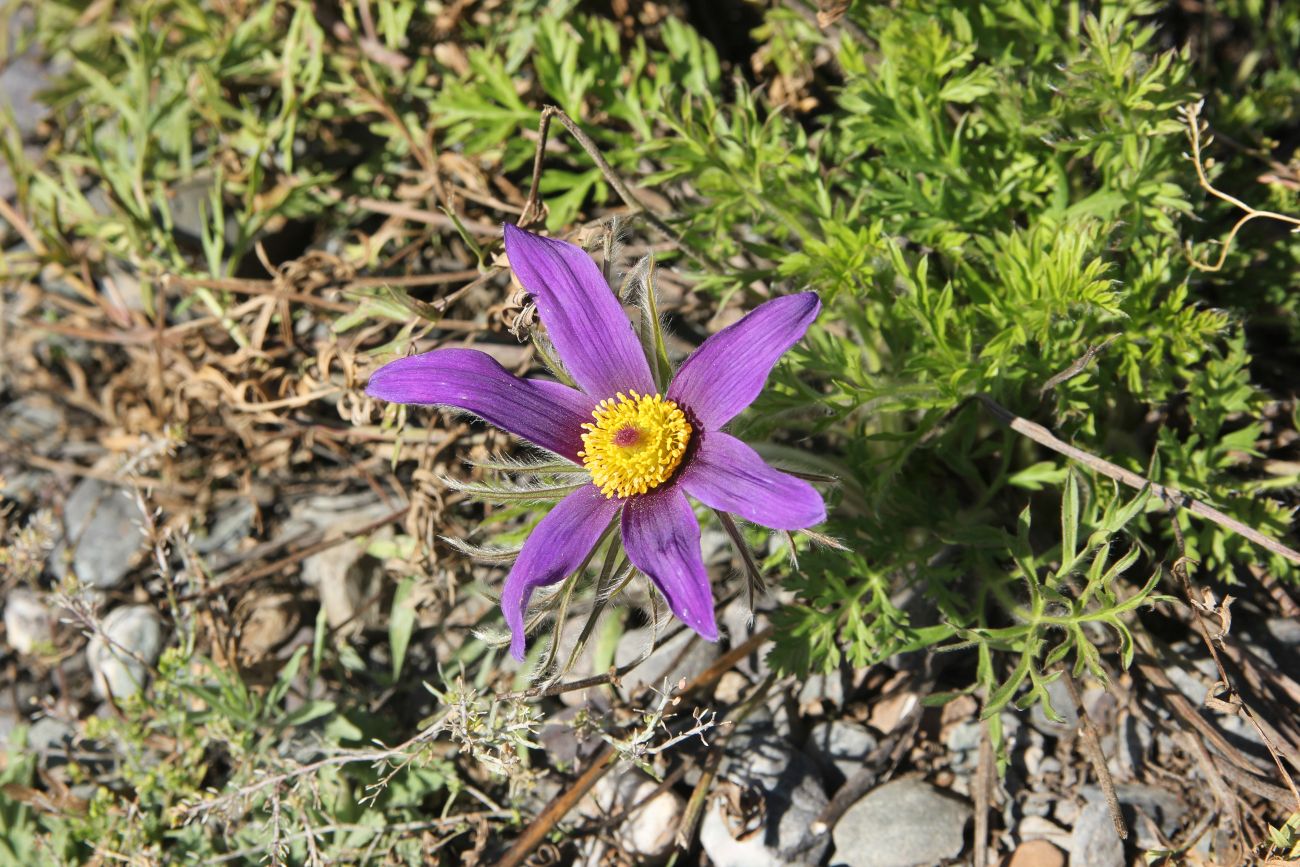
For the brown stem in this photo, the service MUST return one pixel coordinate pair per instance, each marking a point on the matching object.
(1091, 742)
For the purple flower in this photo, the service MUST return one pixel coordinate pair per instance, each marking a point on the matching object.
(645, 452)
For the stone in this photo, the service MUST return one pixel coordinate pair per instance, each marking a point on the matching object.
(1063, 704)
(904, 823)
(739, 623)
(731, 688)
(345, 576)
(9, 722)
(889, 711)
(1094, 841)
(48, 735)
(823, 688)
(32, 420)
(1040, 828)
(131, 637)
(1036, 853)
(1285, 630)
(761, 815)
(1161, 806)
(1135, 745)
(1066, 812)
(27, 621)
(233, 523)
(121, 287)
(841, 748)
(102, 526)
(663, 667)
(962, 742)
(647, 835)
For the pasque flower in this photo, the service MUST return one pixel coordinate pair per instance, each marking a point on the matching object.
(645, 451)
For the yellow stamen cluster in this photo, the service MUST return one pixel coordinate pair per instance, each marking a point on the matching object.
(636, 443)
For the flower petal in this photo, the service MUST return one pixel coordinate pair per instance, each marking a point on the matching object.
(547, 414)
(556, 547)
(592, 334)
(662, 539)
(729, 369)
(728, 475)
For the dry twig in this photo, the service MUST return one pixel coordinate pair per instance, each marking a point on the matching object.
(1195, 129)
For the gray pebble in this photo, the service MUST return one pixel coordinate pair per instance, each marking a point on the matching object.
(904, 823)
(788, 786)
(134, 628)
(27, 620)
(103, 528)
(1094, 841)
(840, 747)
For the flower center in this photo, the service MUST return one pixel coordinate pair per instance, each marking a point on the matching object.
(635, 444)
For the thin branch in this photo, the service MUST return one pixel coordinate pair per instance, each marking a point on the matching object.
(1172, 496)
(1195, 127)
(1235, 703)
(984, 787)
(1079, 365)
(1091, 742)
(534, 210)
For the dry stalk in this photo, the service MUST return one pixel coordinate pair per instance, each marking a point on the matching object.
(1196, 127)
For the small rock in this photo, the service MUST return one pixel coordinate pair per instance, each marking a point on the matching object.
(232, 525)
(1063, 704)
(647, 835)
(731, 687)
(1191, 686)
(1038, 804)
(1036, 853)
(663, 665)
(962, 741)
(1161, 806)
(191, 211)
(841, 748)
(904, 823)
(890, 710)
(761, 818)
(27, 621)
(266, 622)
(822, 688)
(21, 80)
(134, 631)
(1094, 842)
(32, 420)
(1135, 745)
(122, 290)
(9, 722)
(103, 528)
(1066, 812)
(739, 623)
(49, 735)
(1284, 629)
(1039, 828)
(345, 576)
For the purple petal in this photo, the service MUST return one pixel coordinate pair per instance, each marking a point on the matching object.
(662, 539)
(545, 413)
(592, 334)
(729, 369)
(726, 474)
(556, 547)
